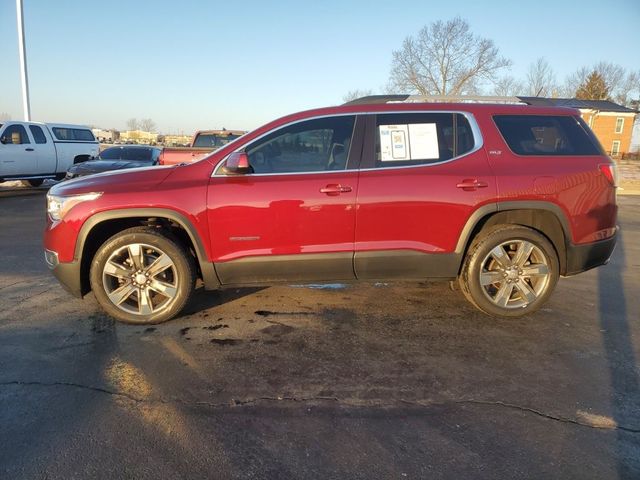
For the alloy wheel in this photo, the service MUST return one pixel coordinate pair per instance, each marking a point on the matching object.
(140, 279)
(514, 274)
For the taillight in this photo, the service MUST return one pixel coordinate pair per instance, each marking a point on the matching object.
(610, 172)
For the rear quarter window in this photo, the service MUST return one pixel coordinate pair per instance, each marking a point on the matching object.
(536, 135)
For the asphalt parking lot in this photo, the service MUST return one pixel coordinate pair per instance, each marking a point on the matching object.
(363, 381)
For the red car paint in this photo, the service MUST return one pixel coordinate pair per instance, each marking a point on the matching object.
(423, 208)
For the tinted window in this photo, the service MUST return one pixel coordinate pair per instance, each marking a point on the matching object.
(421, 138)
(213, 140)
(137, 154)
(73, 134)
(38, 134)
(110, 154)
(15, 134)
(546, 135)
(310, 146)
(83, 135)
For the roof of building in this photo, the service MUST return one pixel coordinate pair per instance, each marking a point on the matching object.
(602, 105)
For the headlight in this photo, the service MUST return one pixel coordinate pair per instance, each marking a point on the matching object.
(59, 205)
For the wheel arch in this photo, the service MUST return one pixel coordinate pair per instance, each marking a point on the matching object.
(545, 217)
(81, 158)
(101, 226)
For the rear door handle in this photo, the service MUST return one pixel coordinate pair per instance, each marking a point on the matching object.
(470, 184)
(29, 149)
(335, 189)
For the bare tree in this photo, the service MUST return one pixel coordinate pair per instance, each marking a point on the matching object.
(620, 84)
(4, 116)
(354, 94)
(147, 125)
(541, 80)
(508, 86)
(132, 124)
(445, 58)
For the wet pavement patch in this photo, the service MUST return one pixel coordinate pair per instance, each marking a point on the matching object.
(277, 329)
(268, 313)
(215, 327)
(225, 341)
(150, 329)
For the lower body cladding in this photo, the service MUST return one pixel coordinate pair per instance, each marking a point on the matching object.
(345, 266)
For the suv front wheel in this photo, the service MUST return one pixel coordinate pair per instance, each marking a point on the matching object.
(141, 276)
(509, 271)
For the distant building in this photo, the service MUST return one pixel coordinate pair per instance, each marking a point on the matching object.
(177, 140)
(104, 136)
(138, 136)
(612, 123)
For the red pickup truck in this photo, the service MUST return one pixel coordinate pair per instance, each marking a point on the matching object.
(203, 143)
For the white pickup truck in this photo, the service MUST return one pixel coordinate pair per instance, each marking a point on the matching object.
(33, 152)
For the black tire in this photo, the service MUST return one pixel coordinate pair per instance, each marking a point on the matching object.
(144, 304)
(522, 289)
(34, 183)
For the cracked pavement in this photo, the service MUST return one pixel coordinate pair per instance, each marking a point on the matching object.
(366, 381)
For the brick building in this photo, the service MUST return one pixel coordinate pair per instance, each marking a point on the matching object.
(612, 123)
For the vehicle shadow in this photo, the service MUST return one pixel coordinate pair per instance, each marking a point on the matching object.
(202, 299)
(619, 352)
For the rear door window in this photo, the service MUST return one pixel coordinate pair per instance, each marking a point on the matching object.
(533, 135)
(405, 139)
(38, 134)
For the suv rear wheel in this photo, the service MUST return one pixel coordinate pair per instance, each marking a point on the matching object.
(509, 271)
(142, 276)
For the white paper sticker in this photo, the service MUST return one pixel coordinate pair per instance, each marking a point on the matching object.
(418, 141)
(423, 141)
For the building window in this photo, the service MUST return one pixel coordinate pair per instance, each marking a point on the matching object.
(619, 124)
(615, 148)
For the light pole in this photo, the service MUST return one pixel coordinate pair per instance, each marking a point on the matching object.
(23, 62)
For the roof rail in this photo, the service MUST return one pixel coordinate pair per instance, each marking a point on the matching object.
(434, 99)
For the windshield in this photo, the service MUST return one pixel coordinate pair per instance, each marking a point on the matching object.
(213, 140)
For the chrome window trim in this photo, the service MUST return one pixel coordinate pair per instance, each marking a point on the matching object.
(478, 142)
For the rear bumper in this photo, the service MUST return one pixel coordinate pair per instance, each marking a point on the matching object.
(585, 257)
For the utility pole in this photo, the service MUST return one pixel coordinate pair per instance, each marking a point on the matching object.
(23, 62)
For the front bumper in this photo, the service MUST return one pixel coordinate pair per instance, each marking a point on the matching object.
(68, 273)
(585, 257)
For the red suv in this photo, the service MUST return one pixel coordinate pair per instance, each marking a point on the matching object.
(505, 198)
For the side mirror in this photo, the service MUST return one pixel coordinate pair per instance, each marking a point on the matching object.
(4, 140)
(237, 164)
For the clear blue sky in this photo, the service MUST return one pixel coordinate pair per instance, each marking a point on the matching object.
(202, 64)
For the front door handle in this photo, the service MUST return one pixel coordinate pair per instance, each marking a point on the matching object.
(29, 149)
(335, 189)
(471, 184)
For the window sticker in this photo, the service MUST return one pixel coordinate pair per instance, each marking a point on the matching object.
(417, 141)
(394, 142)
(423, 140)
